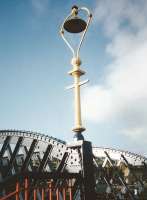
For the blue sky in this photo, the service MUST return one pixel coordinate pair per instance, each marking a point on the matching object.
(34, 62)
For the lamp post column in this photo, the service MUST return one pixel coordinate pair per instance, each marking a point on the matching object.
(76, 72)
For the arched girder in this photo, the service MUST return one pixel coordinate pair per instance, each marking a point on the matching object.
(116, 155)
(9, 139)
(28, 151)
(24, 151)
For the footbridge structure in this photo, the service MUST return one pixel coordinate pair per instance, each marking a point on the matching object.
(37, 166)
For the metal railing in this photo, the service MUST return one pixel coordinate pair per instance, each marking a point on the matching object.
(49, 189)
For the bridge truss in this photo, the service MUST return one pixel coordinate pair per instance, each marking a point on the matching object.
(36, 166)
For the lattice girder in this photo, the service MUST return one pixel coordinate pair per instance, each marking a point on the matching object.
(22, 151)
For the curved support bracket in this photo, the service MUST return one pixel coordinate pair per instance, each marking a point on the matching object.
(63, 37)
(84, 33)
(76, 52)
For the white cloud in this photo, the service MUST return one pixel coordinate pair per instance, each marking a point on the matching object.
(113, 14)
(123, 96)
(135, 133)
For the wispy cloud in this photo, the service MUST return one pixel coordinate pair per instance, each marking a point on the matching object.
(120, 15)
(123, 96)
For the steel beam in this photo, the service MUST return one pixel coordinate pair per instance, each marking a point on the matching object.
(45, 158)
(29, 155)
(62, 163)
(4, 147)
(26, 152)
(13, 156)
(120, 177)
(129, 167)
(43, 162)
(105, 178)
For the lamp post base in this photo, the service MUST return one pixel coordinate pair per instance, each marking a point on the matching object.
(78, 136)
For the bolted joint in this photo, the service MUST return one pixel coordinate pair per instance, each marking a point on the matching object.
(76, 61)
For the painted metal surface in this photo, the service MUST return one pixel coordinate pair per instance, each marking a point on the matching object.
(23, 151)
(9, 138)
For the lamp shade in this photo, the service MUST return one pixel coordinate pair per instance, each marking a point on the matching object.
(75, 25)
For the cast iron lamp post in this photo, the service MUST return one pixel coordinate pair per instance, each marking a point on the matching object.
(73, 24)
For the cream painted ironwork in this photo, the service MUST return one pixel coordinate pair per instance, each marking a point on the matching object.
(76, 72)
